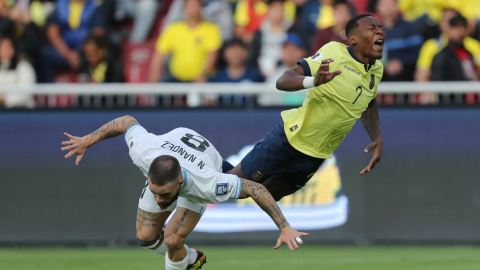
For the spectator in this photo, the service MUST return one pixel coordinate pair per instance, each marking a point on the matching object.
(143, 12)
(325, 17)
(15, 23)
(249, 16)
(266, 49)
(293, 51)
(14, 71)
(99, 65)
(69, 25)
(235, 54)
(341, 14)
(455, 62)
(306, 21)
(193, 45)
(218, 11)
(402, 43)
(432, 46)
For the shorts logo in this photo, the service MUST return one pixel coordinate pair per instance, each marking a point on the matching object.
(221, 189)
(294, 128)
(131, 144)
(257, 176)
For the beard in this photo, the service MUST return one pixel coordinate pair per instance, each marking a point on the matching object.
(165, 205)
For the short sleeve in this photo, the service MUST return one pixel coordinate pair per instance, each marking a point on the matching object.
(134, 134)
(214, 38)
(227, 186)
(164, 41)
(312, 64)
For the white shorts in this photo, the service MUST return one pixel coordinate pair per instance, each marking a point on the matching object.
(147, 202)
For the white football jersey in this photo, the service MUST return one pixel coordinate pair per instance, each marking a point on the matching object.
(201, 163)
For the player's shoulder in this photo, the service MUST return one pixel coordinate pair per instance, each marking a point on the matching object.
(332, 49)
(334, 46)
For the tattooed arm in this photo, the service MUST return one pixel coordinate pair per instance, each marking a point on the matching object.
(371, 122)
(265, 200)
(78, 145)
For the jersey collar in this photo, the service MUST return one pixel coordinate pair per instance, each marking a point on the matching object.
(365, 66)
(185, 177)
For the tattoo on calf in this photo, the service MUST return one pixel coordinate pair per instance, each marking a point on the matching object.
(180, 223)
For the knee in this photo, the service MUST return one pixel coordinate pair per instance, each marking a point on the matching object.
(148, 239)
(174, 242)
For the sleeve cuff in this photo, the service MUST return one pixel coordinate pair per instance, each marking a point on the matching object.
(306, 67)
(130, 130)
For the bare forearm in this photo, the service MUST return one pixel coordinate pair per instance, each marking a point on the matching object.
(265, 200)
(371, 122)
(111, 129)
(290, 81)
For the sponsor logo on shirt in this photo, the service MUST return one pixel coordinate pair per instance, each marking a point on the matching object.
(352, 70)
(294, 128)
(221, 189)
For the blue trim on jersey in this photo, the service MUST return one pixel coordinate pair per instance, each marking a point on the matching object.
(306, 67)
(129, 130)
(239, 187)
(185, 177)
(358, 60)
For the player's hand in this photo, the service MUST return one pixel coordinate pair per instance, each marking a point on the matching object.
(76, 146)
(376, 148)
(288, 236)
(323, 73)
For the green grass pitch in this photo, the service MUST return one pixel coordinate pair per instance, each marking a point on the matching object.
(249, 258)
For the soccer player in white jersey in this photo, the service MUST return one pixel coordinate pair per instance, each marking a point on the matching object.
(183, 171)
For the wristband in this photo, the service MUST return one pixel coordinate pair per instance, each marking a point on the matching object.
(308, 82)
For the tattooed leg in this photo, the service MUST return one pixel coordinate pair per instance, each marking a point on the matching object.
(150, 227)
(177, 230)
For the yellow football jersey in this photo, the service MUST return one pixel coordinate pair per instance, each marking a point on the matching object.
(330, 110)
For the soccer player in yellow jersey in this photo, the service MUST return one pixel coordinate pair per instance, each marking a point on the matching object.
(342, 82)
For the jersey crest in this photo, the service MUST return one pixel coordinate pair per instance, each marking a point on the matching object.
(221, 189)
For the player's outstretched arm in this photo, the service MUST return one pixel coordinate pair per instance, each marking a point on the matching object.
(294, 79)
(371, 122)
(78, 145)
(265, 200)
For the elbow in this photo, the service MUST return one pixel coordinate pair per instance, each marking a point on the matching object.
(280, 84)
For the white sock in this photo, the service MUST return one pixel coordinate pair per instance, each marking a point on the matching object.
(191, 254)
(181, 265)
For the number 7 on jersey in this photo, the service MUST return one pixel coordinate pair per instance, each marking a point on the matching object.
(358, 88)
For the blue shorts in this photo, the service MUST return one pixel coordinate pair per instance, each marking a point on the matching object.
(275, 155)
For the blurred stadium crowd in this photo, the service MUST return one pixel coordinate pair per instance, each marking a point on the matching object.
(134, 41)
